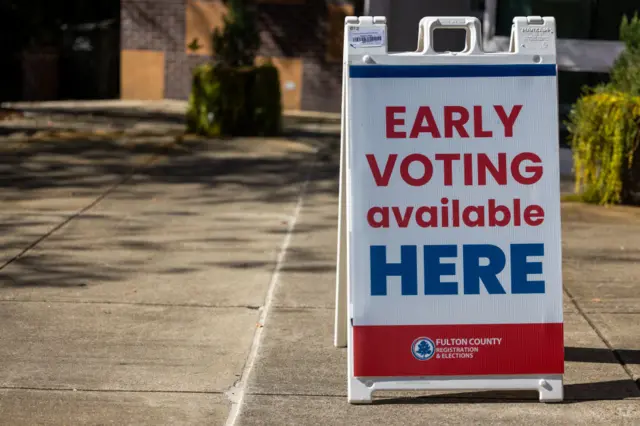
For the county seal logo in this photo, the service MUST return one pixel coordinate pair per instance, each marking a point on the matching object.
(423, 348)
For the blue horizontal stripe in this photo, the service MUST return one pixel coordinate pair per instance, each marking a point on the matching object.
(435, 71)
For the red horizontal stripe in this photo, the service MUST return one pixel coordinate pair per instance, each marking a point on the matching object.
(523, 349)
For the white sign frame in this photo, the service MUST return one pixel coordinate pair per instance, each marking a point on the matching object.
(527, 47)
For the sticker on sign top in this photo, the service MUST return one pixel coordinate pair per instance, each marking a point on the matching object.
(370, 37)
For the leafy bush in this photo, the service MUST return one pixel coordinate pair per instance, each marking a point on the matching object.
(605, 129)
(233, 97)
(625, 75)
(204, 102)
(238, 42)
(227, 101)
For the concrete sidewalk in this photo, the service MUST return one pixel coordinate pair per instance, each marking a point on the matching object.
(146, 280)
(299, 378)
(133, 270)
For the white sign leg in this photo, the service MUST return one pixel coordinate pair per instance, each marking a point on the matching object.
(359, 392)
(551, 389)
(340, 327)
(340, 335)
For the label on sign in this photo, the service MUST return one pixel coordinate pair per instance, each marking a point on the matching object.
(370, 38)
(455, 220)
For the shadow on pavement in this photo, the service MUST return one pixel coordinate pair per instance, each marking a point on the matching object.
(206, 174)
(573, 393)
(581, 392)
(53, 162)
(121, 113)
(599, 355)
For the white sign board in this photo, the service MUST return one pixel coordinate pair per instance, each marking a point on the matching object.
(452, 204)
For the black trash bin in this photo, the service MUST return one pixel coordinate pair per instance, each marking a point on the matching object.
(90, 61)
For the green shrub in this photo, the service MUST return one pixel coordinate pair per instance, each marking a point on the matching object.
(202, 101)
(625, 75)
(238, 42)
(604, 128)
(228, 101)
(233, 97)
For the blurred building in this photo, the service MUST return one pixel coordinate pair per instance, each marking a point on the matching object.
(302, 37)
(147, 49)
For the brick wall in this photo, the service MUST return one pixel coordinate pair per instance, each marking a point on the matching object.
(159, 25)
(296, 29)
(301, 29)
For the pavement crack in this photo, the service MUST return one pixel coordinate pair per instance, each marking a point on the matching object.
(236, 393)
(306, 307)
(304, 395)
(435, 399)
(146, 304)
(55, 389)
(593, 326)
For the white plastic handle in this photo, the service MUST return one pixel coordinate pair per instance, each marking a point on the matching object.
(469, 23)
